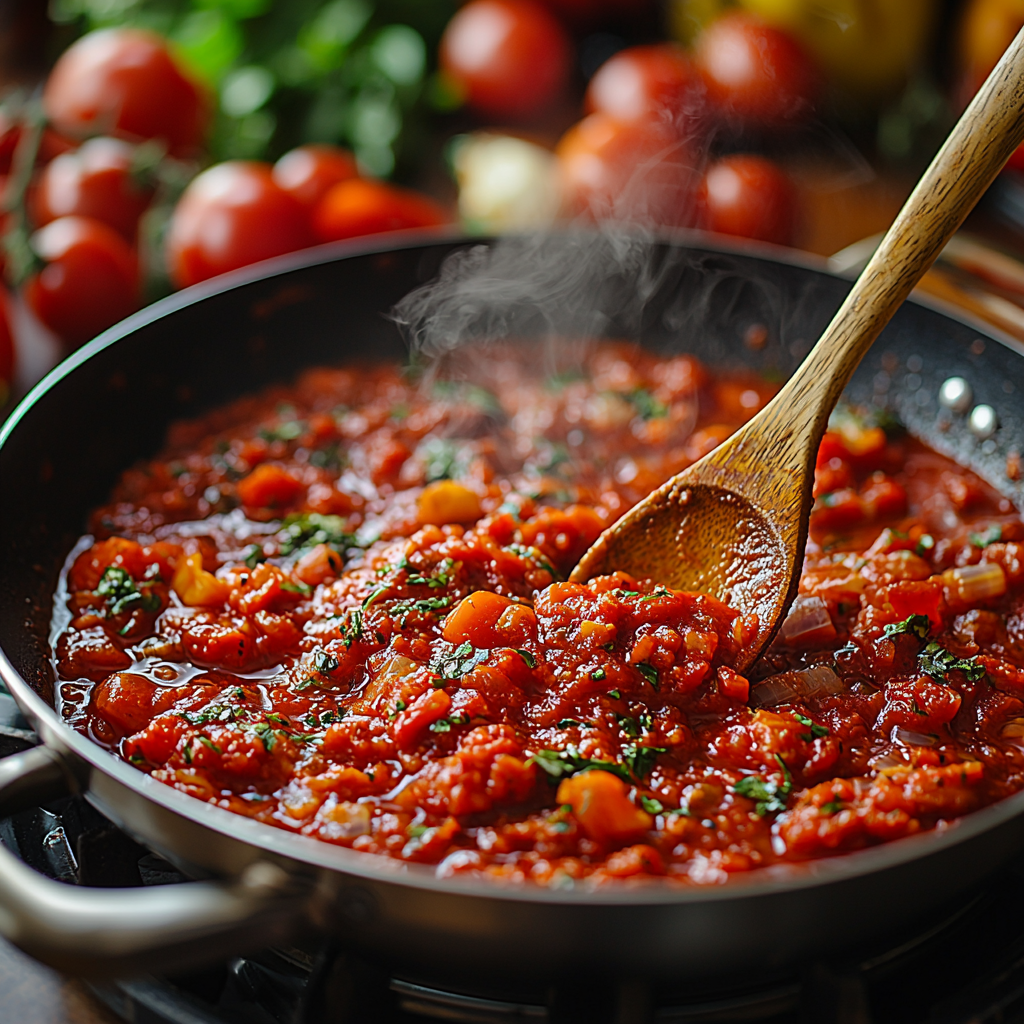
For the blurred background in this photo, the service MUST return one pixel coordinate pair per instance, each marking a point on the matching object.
(146, 145)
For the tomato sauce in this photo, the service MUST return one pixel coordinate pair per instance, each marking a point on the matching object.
(341, 608)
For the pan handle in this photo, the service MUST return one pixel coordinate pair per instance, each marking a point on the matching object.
(97, 933)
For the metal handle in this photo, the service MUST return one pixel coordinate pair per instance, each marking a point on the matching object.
(114, 932)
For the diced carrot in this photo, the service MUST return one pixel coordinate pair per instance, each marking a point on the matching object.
(269, 486)
(448, 502)
(428, 708)
(475, 620)
(600, 803)
(195, 586)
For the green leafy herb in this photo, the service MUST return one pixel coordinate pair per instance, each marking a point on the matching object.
(325, 663)
(640, 760)
(660, 592)
(915, 625)
(936, 661)
(597, 675)
(832, 807)
(254, 556)
(445, 724)
(628, 725)
(925, 543)
(646, 405)
(119, 591)
(535, 556)
(531, 661)
(769, 794)
(442, 459)
(266, 734)
(296, 588)
(817, 731)
(570, 723)
(562, 763)
(992, 535)
(450, 662)
(651, 805)
(289, 430)
(416, 831)
(402, 609)
(614, 694)
(307, 529)
(207, 742)
(440, 578)
(650, 673)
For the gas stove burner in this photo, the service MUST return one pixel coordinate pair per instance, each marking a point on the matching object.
(966, 967)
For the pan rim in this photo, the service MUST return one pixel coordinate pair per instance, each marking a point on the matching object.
(306, 852)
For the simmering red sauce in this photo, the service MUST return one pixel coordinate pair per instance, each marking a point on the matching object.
(341, 609)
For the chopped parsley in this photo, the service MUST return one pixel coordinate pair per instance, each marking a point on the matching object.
(925, 543)
(289, 430)
(403, 609)
(817, 731)
(563, 763)
(440, 578)
(770, 796)
(990, 536)
(445, 724)
(451, 662)
(119, 591)
(640, 760)
(650, 673)
(254, 556)
(660, 592)
(207, 742)
(832, 807)
(531, 661)
(936, 661)
(646, 405)
(535, 556)
(597, 675)
(651, 805)
(916, 625)
(325, 663)
(307, 529)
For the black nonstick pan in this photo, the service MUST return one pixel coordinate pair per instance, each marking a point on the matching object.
(111, 403)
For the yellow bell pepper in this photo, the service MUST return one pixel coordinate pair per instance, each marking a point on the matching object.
(865, 47)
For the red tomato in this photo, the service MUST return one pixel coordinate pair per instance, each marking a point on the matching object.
(361, 207)
(50, 145)
(90, 280)
(124, 81)
(509, 57)
(6, 350)
(644, 81)
(749, 196)
(754, 73)
(309, 171)
(93, 181)
(231, 215)
(640, 172)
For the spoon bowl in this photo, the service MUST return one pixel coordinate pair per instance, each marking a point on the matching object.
(734, 524)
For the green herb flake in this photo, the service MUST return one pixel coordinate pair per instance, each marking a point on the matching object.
(531, 661)
(924, 544)
(917, 626)
(770, 795)
(614, 694)
(207, 742)
(652, 805)
(597, 675)
(254, 556)
(936, 661)
(817, 731)
(450, 663)
(118, 589)
(325, 663)
(307, 529)
(992, 535)
(650, 673)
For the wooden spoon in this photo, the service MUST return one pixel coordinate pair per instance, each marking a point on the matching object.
(734, 524)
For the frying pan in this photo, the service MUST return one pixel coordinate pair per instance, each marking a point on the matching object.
(110, 405)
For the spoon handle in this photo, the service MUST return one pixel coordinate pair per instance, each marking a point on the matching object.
(977, 148)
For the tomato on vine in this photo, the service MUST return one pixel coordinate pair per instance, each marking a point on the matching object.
(308, 172)
(756, 74)
(125, 82)
(96, 180)
(508, 58)
(749, 196)
(231, 215)
(89, 281)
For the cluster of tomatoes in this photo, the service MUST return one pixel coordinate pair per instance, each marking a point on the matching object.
(652, 112)
(117, 112)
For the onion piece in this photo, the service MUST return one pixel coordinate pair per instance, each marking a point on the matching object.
(808, 620)
(972, 583)
(788, 686)
(909, 738)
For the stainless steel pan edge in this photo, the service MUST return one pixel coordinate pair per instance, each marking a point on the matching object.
(406, 911)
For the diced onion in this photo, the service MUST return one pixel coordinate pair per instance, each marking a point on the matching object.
(1014, 731)
(787, 686)
(808, 616)
(980, 582)
(909, 738)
